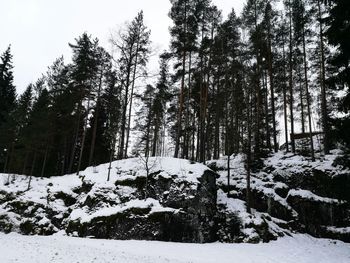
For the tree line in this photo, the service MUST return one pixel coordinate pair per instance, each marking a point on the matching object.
(224, 86)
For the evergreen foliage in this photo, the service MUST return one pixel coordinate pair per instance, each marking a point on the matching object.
(237, 85)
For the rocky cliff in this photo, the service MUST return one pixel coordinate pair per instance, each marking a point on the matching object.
(288, 194)
(157, 199)
(175, 200)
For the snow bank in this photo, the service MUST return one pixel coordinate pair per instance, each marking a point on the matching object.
(57, 248)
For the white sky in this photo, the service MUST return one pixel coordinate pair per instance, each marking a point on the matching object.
(39, 30)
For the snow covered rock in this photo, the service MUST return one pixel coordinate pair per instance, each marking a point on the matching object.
(175, 200)
(288, 194)
(175, 210)
(156, 199)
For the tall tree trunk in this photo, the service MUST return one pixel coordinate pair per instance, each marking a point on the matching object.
(181, 95)
(132, 96)
(228, 173)
(188, 105)
(200, 129)
(308, 98)
(302, 110)
(181, 102)
(25, 162)
(272, 88)
(248, 153)
(257, 90)
(76, 137)
(148, 134)
(84, 134)
(285, 113)
(44, 161)
(227, 141)
(323, 85)
(267, 126)
(208, 137)
(235, 118)
(248, 169)
(198, 135)
(291, 99)
(125, 108)
(31, 171)
(155, 136)
(193, 137)
(217, 126)
(94, 129)
(163, 153)
(203, 141)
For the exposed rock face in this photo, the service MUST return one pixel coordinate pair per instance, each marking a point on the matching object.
(176, 201)
(296, 194)
(316, 215)
(186, 212)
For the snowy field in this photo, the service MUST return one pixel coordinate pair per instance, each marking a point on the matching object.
(57, 248)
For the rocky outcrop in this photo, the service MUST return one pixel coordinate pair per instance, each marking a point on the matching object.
(175, 200)
(297, 195)
(174, 210)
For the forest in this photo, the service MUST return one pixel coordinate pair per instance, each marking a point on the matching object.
(253, 83)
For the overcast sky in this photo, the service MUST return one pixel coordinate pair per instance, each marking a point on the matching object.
(39, 30)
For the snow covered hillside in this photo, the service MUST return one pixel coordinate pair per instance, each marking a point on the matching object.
(57, 248)
(169, 199)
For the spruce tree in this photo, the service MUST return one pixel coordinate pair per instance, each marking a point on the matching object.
(7, 105)
(63, 99)
(7, 88)
(84, 71)
(161, 98)
(337, 33)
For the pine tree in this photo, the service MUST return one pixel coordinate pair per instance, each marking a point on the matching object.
(232, 81)
(289, 8)
(133, 44)
(270, 18)
(324, 104)
(281, 74)
(111, 99)
(183, 41)
(302, 23)
(210, 18)
(252, 15)
(104, 70)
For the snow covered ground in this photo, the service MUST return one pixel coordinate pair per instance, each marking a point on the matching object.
(59, 248)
